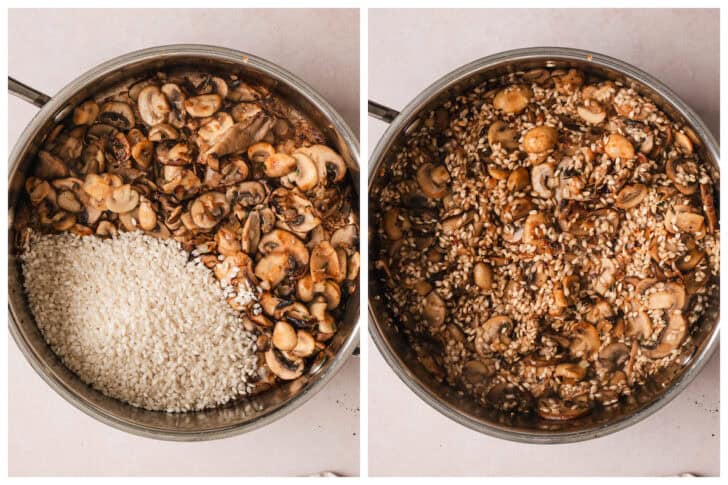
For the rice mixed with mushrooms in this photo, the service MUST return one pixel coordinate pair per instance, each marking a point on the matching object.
(549, 242)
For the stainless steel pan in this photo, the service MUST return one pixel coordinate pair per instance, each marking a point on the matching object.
(217, 423)
(383, 327)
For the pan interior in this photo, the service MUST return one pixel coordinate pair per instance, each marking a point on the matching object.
(242, 415)
(385, 328)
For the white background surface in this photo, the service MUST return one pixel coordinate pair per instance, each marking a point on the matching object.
(408, 50)
(47, 436)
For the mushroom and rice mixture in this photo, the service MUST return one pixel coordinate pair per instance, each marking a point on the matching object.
(548, 244)
(230, 174)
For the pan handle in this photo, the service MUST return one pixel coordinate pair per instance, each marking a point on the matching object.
(23, 91)
(381, 112)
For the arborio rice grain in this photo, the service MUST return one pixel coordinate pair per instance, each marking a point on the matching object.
(135, 319)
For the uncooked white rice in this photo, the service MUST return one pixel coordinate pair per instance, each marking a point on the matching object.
(135, 319)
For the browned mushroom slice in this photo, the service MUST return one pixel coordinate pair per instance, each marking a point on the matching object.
(543, 180)
(117, 114)
(540, 139)
(85, 113)
(305, 344)
(476, 372)
(260, 152)
(63, 221)
(631, 196)
(324, 262)
(106, 228)
(293, 208)
(38, 190)
(227, 241)
(570, 371)
(434, 310)
(639, 325)
(242, 92)
(585, 340)
(593, 113)
(163, 132)
(286, 367)
(706, 196)
(684, 174)
(176, 100)
(499, 133)
(513, 99)
(279, 164)
(433, 180)
(203, 106)
(305, 176)
(483, 276)
(395, 223)
(330, 166)
(280, 241)
(672, 296)
(493, 335)
(250, 234)
(143, 152)
(240, 136)
(689, 260)
(518, 180)
(614, 356)
(345, 237)
(213, 128)
(118, 148)
(209, 209)
(152, 105)
(555, 409)
(618, 146)
(49, 166)
(672, 336)
(122, 199)
(508, 397)
(284, 336)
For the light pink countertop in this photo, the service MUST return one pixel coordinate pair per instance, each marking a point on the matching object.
(408, 50)
(47, 436)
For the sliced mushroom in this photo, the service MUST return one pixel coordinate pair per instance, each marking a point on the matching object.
(585, 342)
(142, 153)
(117, 114)
(305, 344)
(176, 100)
(571, 371)
(639, 325)
(345, 237)
(631, 196)
(240, 136)
(493, 335)
(689, 260)
(673, 296)
(305, 176)
(614, 356)
(618, 146)
(518, 180)
(672, 336)
(592, 113)
(294, 209)
(49, 166)
(280, 241)
(706, 196)
(433, 180)
(683, 144)
(284, 336)
(106, 228)
(162, 132)
(68, 201)
(483, 276)
(85, 113)
(554, 409)
(153, 106)
(122, 199)
(209, 209)
(250, 234)
(286, 367)
(331, 167)
(434, 310)
(684, 174)
(203, 106)
(395, 224)
(607, 276)
(540, 139)
(324, 262)
(279, 164)
(502, 135)
(513, 99)
(543, 180)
